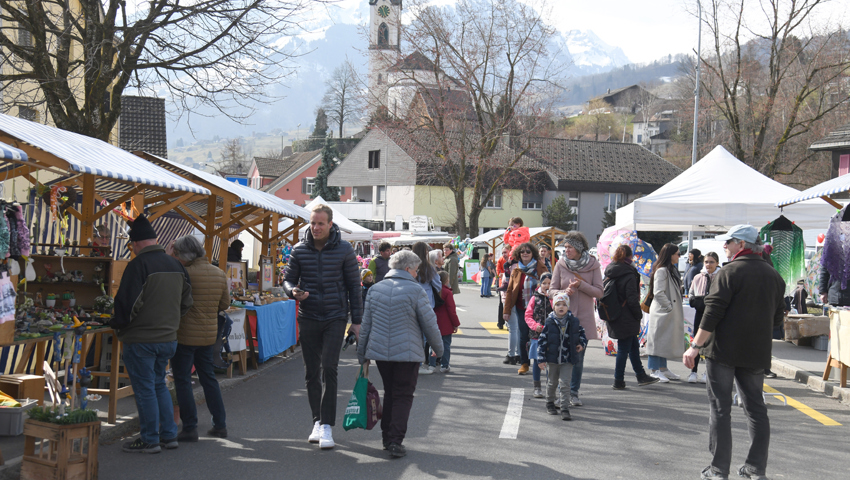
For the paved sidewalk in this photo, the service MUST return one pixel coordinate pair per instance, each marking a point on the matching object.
(806, 365)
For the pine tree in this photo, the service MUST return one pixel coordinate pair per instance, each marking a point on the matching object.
(321, 128)
(559, 214)
(329, 156)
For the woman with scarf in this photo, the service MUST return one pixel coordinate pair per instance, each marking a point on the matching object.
(696, 294)
(429, 280)
(666, 334)
(578, 274)
(525, 277)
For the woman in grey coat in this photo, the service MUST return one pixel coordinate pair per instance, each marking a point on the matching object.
(665, 337)
(396, 316)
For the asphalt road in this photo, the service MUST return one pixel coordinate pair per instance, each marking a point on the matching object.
(655, 432)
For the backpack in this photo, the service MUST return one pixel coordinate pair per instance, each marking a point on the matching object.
(609, 306)
(222, 357)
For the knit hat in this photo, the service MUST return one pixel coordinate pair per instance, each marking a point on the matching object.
(545, 276)
(141, 229)
(562, 298)
(577, 240)
(364, 273)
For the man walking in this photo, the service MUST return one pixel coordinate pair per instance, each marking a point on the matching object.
(450, 264)
(154, 294)
(322, 274)
(380, 265)
(744, 304)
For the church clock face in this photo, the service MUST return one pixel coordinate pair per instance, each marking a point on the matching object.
(384, 11)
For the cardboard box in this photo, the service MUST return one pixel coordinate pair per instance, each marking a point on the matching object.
(22, 385)
(813, 326)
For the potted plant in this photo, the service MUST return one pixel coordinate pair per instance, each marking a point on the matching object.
(66, 299)
(50, 301)
(71, 447)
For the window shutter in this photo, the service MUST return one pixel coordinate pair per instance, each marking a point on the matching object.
(843, 165)
(304, 185)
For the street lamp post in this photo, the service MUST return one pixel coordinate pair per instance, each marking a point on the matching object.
(696, 111)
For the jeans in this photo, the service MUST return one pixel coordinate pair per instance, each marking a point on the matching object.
(656, 363)
(399, 384)
(750, 386)
(513, 335)
(447, 353)
(578, 369)
(523, 334)
(535, 371)
(485, 286)
(145, 364)
(181, 364)
(321, 342)
(556, 374)
(628, 349)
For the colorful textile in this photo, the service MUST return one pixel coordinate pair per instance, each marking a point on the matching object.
(836, 247)
(788, 254)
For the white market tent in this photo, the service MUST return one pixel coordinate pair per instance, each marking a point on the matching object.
(717, 193)
(351, 232)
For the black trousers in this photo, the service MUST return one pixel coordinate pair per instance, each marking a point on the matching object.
(523, 335)
(399, 384)
(697, 320)
(321, 342)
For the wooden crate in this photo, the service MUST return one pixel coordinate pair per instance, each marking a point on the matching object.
(65, 452)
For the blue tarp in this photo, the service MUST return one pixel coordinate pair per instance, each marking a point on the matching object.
(275, 328)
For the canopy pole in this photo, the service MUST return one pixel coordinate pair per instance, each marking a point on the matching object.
(210, 227)
(832, 202)
(87, 231)
(223, 238)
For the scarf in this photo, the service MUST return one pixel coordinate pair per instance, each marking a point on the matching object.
(745, 251)
(529, 285)
(577, 265)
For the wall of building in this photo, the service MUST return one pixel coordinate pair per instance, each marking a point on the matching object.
(292, 190)
(355, 171)
(438, 203)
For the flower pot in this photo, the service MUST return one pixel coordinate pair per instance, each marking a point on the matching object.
(73, 301)
(66, 303)
(50, 303)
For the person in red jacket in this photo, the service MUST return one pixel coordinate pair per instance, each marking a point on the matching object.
(447, 321)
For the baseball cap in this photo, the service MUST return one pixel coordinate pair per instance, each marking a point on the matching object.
(747, 233)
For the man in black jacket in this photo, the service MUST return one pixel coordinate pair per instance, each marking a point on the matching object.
(154, 294)
(744, 303)
(323, 275)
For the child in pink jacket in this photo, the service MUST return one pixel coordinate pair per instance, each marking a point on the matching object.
(538, 308)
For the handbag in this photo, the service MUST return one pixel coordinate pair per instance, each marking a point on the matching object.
(438, 297)
(364, 408)
(647, 301)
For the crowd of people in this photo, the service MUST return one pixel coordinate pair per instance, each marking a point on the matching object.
(403, 313)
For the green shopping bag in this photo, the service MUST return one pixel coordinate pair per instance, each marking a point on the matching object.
(356, 415)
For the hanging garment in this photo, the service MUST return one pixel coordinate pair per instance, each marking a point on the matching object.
(836, 248)
(14, 247)
(7, 299)
(4, 237)
(22, 230)
(788, 253)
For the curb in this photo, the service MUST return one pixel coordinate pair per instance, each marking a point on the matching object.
(129, 425)
(812, 380)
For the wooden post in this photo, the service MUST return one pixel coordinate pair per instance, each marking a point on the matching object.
(87, 225)
(224, 237)
(264, 248)
(210, 227)
(274, 250)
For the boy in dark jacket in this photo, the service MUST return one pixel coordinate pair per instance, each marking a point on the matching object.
(561, 340)
(366, 280)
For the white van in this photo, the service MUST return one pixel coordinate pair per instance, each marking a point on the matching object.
(704, 246)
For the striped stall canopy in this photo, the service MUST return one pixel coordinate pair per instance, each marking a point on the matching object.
(825, 189)
(90, 155)
(11, 153)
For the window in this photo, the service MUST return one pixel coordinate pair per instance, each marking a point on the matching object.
(380, 79)
(24, 38)
(613, 201)
(382, 195)
(572, 202)
(640, 138)
(374, 159)
(843, 165)
(495, 202)
(28, 114)
(342, 190)
(532, 201)
(307, 185)
(383, 35)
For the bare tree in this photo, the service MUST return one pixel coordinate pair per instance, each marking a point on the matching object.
(342, 100)
(234, 158)
(774, 76)
(77, 58)
(488, 85)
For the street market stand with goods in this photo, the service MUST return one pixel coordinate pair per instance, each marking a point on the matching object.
(270, 329)
(717, 193)
(839, 344)
(551, 236)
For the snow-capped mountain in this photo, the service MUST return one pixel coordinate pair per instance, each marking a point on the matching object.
(590, 53)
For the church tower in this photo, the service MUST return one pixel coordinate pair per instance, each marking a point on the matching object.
(384, 45)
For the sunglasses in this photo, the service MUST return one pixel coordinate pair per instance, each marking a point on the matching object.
(523, 252)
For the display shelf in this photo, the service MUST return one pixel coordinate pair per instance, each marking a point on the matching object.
(82, 284)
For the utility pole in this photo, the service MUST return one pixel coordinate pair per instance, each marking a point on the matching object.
(696, 110)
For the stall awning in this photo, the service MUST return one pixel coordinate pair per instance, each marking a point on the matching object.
(90, 155)
(8, 152)
(825, 189)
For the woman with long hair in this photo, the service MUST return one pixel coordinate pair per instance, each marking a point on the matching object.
(521, 287)
(429, 280)
(696, 298)
(626, 327)
(666, 334)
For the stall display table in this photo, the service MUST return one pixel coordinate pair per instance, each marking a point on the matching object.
(274, 328)
(839, 345)
(799, 328)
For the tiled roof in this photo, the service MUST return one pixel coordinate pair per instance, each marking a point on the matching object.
(602, 162)
(453, 103)
(142, 125)
(288, 166)
(414, 61)
(836, 140)
(272, 167)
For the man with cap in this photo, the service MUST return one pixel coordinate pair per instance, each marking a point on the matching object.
(743, 305)
(154, 294)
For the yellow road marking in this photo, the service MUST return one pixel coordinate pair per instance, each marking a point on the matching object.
(459, 332)
(492, 328)
(804, 408)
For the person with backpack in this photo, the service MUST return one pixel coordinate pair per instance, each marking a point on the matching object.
(196, 339)
(620, 307)
(696, 299)
(539, 307)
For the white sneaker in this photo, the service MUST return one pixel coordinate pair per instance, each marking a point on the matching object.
(702, 378)
(327, 440)
(425, 370)
(431, 369)
(538, 393)
(670, 375)
(317, 433)
(660, 376)
(445, 369)
(692, 378)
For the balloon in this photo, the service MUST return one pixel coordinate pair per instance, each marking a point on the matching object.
(821, 237)
(517, 236)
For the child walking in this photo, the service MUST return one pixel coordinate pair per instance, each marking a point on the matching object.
(539, 307)
(561, 340)
(447, 321)
(366, 280)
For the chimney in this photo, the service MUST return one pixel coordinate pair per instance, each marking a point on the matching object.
(609, 91)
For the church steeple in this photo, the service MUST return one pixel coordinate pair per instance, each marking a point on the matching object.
(384, 44)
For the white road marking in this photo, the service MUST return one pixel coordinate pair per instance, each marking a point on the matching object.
(512, 417)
